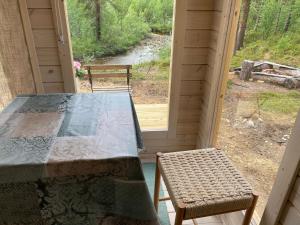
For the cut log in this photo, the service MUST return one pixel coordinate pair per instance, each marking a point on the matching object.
(247, 68)
(293, 73)
(279, 66)
(291, 83)
(270, 74)
(282, 80)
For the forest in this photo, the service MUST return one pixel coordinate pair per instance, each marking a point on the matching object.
(108, 27)
(268, 29)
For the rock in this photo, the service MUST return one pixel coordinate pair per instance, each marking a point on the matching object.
(285, 137)
(250, 124)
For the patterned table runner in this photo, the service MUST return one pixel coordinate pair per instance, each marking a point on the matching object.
(72, 159)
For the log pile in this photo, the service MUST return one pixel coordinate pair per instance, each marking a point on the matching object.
(283, 75)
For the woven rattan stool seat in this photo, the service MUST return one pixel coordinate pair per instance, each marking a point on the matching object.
(204, 182)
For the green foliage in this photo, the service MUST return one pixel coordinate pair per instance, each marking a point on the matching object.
(268, 17)
(164, 56)
(229, 84)
(284, 49)
(83, 40)
(285, 103)
(161, 67)
(157, 13)
(269, 36)
(123, 23)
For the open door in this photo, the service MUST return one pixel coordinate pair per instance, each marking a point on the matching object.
(283, 206)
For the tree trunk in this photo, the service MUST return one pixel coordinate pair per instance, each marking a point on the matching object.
(98, 19)
(288, 22)
(260, 5)
(289, 18)
(243, 23)
(278, 16)
(236, 39)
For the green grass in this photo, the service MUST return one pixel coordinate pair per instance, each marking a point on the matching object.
(283, 49)
(136, 75)
(144, 71)
(229, 84)
(284, 103)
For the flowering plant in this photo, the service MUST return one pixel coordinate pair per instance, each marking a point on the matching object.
(79, 71)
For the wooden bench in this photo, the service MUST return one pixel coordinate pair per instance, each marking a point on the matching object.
(109, 71)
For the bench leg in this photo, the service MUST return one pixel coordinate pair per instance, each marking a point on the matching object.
(157, 184)
(250, 211)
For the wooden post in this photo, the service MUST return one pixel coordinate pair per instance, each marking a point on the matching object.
(90, 78)
(247, 68)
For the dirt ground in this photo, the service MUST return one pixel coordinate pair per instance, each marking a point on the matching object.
(143, 91)
(253, 139)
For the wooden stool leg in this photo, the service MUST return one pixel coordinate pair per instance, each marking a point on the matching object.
(195, 221)
(179, 216)
(157, 184)
(250, 211)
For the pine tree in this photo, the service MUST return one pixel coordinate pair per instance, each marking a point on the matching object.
(243, 23)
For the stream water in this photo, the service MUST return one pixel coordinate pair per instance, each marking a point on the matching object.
(147, 50)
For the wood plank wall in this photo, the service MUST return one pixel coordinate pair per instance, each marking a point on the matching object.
(54, 62)
(283, 207)
(195, 42)
(291, 213)
(16, 76)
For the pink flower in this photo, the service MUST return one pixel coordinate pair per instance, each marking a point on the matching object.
(77, 65)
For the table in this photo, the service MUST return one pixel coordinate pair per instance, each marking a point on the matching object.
(72, 159)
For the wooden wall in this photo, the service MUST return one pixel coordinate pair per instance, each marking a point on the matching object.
(46, 26)
(35, 50)
(201, 32)
(291, 213)
(283, 207)
(16, 76)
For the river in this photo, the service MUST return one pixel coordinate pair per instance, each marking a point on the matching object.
(146, 51)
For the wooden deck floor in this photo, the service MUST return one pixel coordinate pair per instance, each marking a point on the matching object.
(152, 116)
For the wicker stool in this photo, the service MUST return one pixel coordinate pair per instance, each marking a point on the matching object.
(203, 183)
